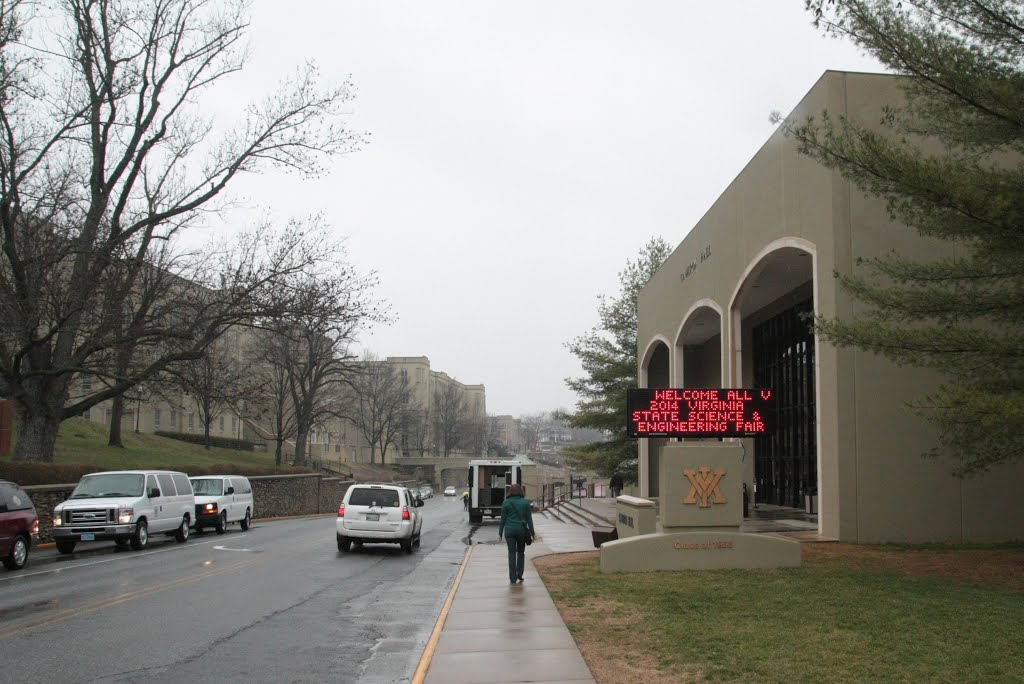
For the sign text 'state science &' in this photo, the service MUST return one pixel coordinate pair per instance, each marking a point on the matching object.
(699, 412)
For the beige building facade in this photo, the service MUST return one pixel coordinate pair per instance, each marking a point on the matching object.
(339, 439)
(725, 311)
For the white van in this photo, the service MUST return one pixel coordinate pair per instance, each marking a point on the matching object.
(222, 499)
(126, 506)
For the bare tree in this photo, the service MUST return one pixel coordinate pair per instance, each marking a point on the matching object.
(449, 418)
(494, 444)
(379, 404)
(475, 433)
(327, 312)
(102, 158)
(533, 429)
(216, 382)
(417, 436)
(272, 356)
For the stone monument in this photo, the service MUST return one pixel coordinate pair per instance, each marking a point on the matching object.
(701, 509)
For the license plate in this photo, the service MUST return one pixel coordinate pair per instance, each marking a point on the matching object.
(88, 536)
(373, 516)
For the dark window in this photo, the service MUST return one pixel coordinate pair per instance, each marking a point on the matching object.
(207, 486)
(785, 463)
(14, 498)
(166, 484)
(181, 483)
(366, 496)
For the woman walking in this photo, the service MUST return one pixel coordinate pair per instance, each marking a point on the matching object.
(516, 524)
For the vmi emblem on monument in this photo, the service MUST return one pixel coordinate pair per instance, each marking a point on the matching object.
(704, 483)
(701, 485)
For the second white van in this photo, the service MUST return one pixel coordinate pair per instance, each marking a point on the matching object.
(222, 500)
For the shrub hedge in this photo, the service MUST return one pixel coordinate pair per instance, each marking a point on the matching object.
(27, 473)
(222, 442)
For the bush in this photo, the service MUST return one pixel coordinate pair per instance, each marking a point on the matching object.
(26, 473)
(221, 442)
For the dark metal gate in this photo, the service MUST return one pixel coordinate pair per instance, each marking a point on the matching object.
(786, 463)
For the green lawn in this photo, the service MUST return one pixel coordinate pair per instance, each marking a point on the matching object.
(82, 441)
(834, 619)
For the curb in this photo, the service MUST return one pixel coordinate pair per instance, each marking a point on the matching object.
(428, 652)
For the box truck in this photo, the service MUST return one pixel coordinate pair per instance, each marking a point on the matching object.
(489, 481)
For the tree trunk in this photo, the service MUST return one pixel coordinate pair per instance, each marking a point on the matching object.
(116, 411)
(207, 419)
(278, 449)
(300, 447)
(37, 435)
(373, 453)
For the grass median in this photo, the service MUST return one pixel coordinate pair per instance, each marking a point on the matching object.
(849, 614)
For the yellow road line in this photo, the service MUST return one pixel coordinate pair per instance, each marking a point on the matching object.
(121, 598)
(428, 652)
(69, 613)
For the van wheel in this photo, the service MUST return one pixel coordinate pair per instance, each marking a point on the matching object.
(246, 521)
(344, 543)
(140, 538)
(222, 522)
(182, 534)
(65, 547)
(19, 554)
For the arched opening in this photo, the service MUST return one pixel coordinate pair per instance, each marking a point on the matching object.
(699, 347)
(655, 372)
(776, 350)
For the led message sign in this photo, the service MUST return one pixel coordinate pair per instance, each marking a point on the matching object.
(699, 412)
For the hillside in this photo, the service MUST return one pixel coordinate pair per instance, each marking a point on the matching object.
(82, 447)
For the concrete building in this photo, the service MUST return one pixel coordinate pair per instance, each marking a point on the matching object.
(340, 440)
(166, 407)
(724, 311)
(508, 432)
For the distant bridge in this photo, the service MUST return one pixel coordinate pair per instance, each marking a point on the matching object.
(440, 470)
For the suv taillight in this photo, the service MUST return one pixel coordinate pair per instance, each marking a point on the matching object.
(35, 527)
(341, 511)
(405, 513)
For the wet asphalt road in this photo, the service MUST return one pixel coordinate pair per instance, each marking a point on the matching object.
(278, 603)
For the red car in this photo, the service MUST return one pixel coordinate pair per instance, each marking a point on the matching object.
(19, 525)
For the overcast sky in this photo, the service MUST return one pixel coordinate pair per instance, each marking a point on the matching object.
(521, 152)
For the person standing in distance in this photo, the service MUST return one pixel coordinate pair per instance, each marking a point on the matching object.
(516, 524)
(616, 485)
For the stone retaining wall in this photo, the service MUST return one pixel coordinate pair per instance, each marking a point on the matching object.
(274, 496)
(45, 498)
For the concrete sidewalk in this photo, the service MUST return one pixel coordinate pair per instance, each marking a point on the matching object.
(501, 633)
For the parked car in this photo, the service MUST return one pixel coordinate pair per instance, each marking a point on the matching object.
(19, 525)
(426, 492)
(126, 506)
(222, 500)
(379, 513)
(449, 491)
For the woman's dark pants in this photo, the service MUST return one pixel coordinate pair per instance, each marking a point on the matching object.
(516, 555)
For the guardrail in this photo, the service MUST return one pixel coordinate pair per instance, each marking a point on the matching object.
(553, 495)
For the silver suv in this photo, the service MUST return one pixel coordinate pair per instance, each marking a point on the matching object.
(379, 513)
